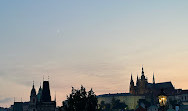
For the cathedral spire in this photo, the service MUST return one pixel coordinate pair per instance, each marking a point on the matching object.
(142, 70)
(132, 90)
(131, 77)
(153, 79)
(143, 76)
(137, 77)
(131, 82)
(33, 91)
(33, 84)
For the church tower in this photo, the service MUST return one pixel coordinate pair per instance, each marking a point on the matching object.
(33, 99)
(132, 88)
(46, 97)
(142, 86)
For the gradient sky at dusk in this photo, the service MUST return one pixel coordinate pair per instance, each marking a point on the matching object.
(94, 43)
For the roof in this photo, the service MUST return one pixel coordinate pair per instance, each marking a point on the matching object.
(184, 92)
(162, 85)
(115, 94)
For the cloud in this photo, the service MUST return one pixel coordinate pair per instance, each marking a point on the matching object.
(5, 100)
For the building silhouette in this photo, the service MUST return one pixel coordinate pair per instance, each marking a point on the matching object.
(41, 101)
(142, 90)
(142, 87)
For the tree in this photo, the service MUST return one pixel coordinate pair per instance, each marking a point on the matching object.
(80, 100)
(116, 104)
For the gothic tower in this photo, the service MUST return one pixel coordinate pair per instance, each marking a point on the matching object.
(142, 86)
(132, 88)
(33, 99)
(46, 97)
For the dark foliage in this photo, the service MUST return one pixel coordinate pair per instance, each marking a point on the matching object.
(80, 100)
(115, 105)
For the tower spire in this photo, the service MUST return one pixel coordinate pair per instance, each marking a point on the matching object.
(131, 77)
(142, 70)
(137, 77)
(33, 84)
(153, 79)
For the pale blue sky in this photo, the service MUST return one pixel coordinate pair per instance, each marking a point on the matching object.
(94, 43)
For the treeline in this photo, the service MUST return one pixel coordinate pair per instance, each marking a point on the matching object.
(81, 100)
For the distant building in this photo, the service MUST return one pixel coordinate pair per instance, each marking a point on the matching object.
(142, 86)
(41, 101)
(142, 89)
(18, 106)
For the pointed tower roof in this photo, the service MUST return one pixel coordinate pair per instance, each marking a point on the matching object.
(131, 82)
(142, 70)
(33, 91)
(131, 77)
(137, 77)
(153, 79)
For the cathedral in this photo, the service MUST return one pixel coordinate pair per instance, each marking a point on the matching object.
(42, 100)
(142, 87)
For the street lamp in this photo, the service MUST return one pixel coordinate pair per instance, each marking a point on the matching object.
(162, 99)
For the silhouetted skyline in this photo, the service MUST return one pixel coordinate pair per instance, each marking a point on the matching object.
(97, 44)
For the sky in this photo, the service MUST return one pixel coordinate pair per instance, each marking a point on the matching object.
(97, 44)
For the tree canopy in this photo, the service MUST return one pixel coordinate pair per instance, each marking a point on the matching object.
(81, 100)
